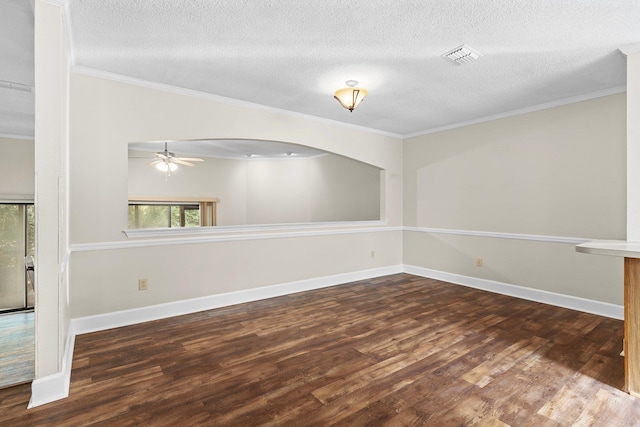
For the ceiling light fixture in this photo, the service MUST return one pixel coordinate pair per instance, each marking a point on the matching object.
(350, 97)
(165, 166)
(167, 161)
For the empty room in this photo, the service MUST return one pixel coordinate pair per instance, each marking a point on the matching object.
(326, 213)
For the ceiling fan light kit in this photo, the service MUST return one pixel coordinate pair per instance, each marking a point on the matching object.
(351, 96)
(167, 161)
(166, 167)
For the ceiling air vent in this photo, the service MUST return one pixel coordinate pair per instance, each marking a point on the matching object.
(462, 54)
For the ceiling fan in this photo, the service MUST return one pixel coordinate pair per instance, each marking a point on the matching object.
(167, 161)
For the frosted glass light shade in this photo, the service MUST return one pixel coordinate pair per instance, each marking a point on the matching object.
(350, 97)
(164, 166)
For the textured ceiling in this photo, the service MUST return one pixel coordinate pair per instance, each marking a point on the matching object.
(16, 66)
(293, 55)
(229, 148)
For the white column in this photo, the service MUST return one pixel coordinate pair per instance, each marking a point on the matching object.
(51, 144)
(633, 142)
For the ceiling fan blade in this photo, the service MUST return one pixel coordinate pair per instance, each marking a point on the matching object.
(155, 162)
(161, 155)
(190, 159)
(182, 162)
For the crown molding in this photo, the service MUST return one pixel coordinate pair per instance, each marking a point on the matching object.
(520, 111)
(63, 3)
(626, 50)
(217, 98)
(11, 136)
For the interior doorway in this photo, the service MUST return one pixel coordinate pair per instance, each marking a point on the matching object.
(17, 247)
(17, 293)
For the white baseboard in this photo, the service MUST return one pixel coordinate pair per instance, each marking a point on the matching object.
(567, 301)
(83, 325)
(56, 386)
(48, 389)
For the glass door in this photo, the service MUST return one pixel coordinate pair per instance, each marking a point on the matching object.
(17, 232)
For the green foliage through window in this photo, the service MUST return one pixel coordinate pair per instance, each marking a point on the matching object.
(17, 239)
(163, 215)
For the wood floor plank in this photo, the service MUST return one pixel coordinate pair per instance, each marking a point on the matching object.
(398, 350)
(605, 402)
(570, 401)
(484, 373)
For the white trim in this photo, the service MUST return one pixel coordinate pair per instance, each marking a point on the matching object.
(619, 248)
(64, 262)
(630, 49)
(498, 235)
(231, 101)
(11, 136)
(567, 301)
(117, 319)
(217, 98)
(518, 112)
(247, 228)
(56, 386)
(217, 237)
(16, 198)
(48, 389)
(197, 235)
(66, 17)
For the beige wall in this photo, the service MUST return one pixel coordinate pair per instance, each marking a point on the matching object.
(106, 115)
(278, 193)
(269, 191)
(17, 166)
(345, 190)
(556, 172)
(106, 280)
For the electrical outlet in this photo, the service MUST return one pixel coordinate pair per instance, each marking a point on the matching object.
(143, 284)
(479, 262)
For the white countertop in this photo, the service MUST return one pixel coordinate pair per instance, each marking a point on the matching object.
(620, 248)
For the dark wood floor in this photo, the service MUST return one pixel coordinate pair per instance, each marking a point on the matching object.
(399, 350)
